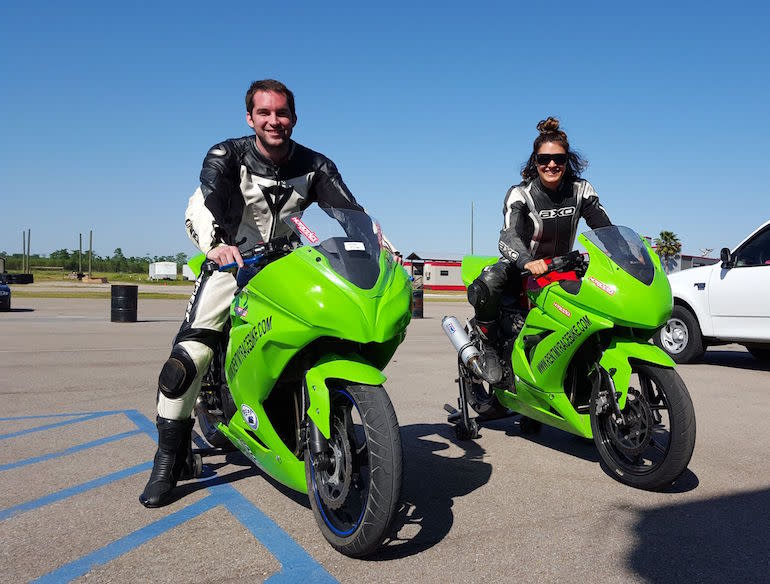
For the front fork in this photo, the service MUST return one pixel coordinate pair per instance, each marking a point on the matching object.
(318, 446)
(607, 396)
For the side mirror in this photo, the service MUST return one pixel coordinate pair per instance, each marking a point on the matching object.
(727, 261)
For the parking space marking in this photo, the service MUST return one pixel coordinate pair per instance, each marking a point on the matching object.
(71, 450)
(56, 425)
(102, 556)
(72, 491)
(296, 563)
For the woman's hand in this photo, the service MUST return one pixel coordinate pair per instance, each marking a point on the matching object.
(225, 254)
(536, 267)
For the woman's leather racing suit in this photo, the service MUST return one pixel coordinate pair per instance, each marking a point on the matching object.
(538, 223)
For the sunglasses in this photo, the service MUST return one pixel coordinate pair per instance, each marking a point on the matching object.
(545, 159)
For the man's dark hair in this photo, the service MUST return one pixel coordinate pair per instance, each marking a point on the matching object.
(269, 85)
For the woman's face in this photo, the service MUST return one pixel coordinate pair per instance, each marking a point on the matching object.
(551, 163)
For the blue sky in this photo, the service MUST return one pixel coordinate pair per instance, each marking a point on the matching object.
(107, 109)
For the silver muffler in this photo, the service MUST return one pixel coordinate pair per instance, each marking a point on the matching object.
(469, 353)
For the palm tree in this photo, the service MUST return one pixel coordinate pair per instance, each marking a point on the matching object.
(667, 245)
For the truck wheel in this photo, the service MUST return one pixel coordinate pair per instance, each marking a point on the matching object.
(681, 337)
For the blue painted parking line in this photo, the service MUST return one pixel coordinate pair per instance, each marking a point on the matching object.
(72, 491)
(69, 451)
(49, 416)
(57, 425)
(296, 564)
(102, 556)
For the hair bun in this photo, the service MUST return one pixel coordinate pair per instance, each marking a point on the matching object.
(548, 125)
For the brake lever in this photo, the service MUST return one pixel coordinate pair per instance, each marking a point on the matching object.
(247, 262)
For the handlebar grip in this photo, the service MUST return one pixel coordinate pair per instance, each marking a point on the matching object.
(246, 262)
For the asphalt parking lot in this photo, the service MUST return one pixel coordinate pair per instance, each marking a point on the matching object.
(77, 438)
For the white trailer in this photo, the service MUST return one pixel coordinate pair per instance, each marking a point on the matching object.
(187, 273)
(163, 271)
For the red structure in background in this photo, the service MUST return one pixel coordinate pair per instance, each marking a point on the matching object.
(438, 274)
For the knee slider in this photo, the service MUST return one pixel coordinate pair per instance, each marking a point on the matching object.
(478, 294)
(177, 374)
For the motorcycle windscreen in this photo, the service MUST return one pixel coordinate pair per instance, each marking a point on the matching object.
(626, 249)
(349, 239)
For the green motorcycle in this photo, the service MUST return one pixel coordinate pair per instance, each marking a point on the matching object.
(297, 385)
(579, 359)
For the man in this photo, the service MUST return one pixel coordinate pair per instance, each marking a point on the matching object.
(248, 185)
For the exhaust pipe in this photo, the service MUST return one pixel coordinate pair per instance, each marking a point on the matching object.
(469, 353)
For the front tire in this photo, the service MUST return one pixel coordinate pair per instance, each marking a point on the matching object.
(655, 446)
(355, 497)
(681, 336)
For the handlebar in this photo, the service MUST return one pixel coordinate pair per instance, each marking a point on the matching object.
(571, 261)
(268, 250)
(246, 262)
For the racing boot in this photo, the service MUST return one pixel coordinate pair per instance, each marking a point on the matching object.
(490, 363)
(173, 461)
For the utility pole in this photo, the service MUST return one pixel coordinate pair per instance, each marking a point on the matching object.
(471, 227)
(23, 252)
(80, 253)
(90, 250)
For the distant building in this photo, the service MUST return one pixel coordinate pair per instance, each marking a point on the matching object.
(437, 274)
(685, 262)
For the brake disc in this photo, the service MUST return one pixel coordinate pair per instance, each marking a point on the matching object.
(632, 438)
(334, 482)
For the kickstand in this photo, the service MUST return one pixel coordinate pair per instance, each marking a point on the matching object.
(466, 428)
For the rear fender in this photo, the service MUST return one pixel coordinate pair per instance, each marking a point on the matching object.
(619, 355)
(347, 368)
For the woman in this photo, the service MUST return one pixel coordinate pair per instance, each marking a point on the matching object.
(541, 216)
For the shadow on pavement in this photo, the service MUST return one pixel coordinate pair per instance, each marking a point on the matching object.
(576, 446)
(431, 483)
(552, 438)
(725, 539)
(19, 310)
(739, 359)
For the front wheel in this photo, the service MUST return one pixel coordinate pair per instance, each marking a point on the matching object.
(653, 445)
(355, 489)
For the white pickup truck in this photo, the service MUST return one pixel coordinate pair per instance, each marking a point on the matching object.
(727, 302)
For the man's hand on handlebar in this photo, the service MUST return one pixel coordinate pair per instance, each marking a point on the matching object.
(225, 254)
(536, 267)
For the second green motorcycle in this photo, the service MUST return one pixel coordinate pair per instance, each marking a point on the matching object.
(579, 360)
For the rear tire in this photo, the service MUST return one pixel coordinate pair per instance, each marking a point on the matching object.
(656, 445)
(355, 498)
(483, 401)
(681, 336)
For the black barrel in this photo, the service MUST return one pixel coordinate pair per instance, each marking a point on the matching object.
(124, 303)
(417, 298)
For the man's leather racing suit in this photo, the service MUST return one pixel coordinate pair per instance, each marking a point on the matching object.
(242, 199)
(538, 223)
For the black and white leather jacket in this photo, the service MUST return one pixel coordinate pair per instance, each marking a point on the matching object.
(244, 195)
(540, 223)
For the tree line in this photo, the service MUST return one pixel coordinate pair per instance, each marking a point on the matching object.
(67, 260)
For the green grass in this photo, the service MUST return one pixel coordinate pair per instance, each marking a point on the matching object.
(112, 277)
